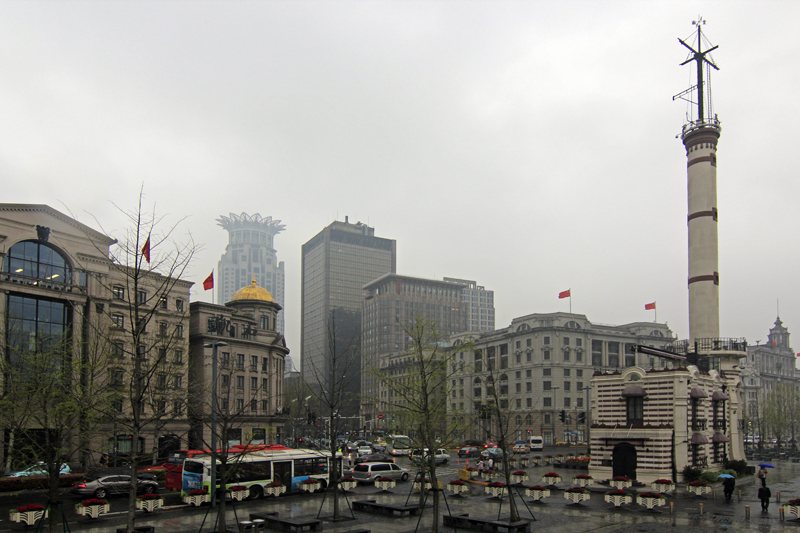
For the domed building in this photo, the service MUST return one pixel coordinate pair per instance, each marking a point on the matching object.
(250, 363)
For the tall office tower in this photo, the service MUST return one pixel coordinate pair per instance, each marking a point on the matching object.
(700, 138)
(479, 303)
(390, 305)
(249, 256)
(336, 264)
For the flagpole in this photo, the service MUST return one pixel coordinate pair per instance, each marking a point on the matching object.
(212, 288)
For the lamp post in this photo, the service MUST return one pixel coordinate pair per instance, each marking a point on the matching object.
(554, 416)
(588, 411)
(214, 344)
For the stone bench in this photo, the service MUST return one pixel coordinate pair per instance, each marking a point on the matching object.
(372, 506)
(478, 524)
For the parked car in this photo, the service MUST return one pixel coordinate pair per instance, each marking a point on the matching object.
(536, 443)
(369, 472)
(469, 451)
(521, 447)
(104, 486)
(375, 458)
(37, 469)
(441, 456)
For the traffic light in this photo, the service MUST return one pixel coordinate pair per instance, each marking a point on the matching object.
(582, 417)
(562, 415)
(529, 432)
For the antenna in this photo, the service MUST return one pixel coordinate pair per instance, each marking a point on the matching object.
(700, 56)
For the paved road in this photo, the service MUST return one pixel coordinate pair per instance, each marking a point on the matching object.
(555, 516)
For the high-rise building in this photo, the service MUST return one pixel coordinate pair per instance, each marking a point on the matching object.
(336, 264)
(250, 255)
(391, 304)
(479, 304)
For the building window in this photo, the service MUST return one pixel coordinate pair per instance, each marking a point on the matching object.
(118, 292)
(527, 373)
(264, 384)
(547, 420)
(225, 359)
(161, 408)
(264, 322)
(253, 363)
(141, 297)
(527, 342)
(579, 402)
(548, 402)
(579, 373)
(240, 405)
(179, 305)
(567, 385)
(265, 405)
(162, 329)
(546, 340)
(547, 385)
(240, 361)
(142, 351)
(161, 381)
(566, 403)
(253, 383)
(265, 364)
(162, 302)
(546, 371)
(179, 331)
(178, 357)
(225, 380)
(566, 372)
(565, 341)
(547, 355)
(635, 410)
(177, 407)
(118, 349)
(239, 382)
(178, 382)
(118, 320)
(579, 386)
(518, 387)
(117, 377)
(254, 405)
(566, 355)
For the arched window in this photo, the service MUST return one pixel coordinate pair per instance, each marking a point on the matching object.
(37, 260)
(656, 333)
(572, 325)
(523, 327)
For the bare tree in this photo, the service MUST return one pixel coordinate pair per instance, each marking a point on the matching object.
(419, 387)
(333, 382)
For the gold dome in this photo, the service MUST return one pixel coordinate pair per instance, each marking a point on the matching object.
(253, 292)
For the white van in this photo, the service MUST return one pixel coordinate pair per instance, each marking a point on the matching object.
(536, 443)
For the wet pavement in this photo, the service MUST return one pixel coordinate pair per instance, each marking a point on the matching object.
(554, 515)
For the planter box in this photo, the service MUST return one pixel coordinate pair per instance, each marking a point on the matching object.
(547, 460)
(791, 510)
(308, 487)
(536, 461)
(348, 485)
(458, 489)
(698, 491)
(387, 485)
(662, 487)
(238, 495)
(196, 500)
(276, 491)
(618, 500)
(29, 517)
(581, 482)
(472, 473)
(650, 502)
(621, 484)
(418, 485)
(577, 497)
(551, 480)
(524, 461)
(537, 494)
(491, 477)
(519, 479)
(149, 506)
(93, 511)
(495, 492)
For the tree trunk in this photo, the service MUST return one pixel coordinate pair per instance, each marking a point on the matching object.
(53, 499)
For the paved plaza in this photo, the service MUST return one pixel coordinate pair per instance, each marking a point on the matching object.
(556, 515)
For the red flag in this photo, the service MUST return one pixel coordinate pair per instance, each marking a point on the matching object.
(209, 282)
(146, 249)
(650, 307)
(564, 294)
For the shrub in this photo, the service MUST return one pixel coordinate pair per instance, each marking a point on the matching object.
(617, 492)
(579, 490)
(583, 476)
(551, 474)
(650, 495)
(496, 484)
(520, 473)
(28, 508)
(457, 482)
(709, 477)
(92, 501)
(145, 497)
(537, 487)
(790, 502)
(739, 466)
(698, 483)
(664, 482)
(620, 478)
(691, 473)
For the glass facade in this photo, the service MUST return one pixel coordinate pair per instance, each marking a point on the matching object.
(35, 260)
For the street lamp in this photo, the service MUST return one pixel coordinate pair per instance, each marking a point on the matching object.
(554, 415)
(588, 412)
(214, 344)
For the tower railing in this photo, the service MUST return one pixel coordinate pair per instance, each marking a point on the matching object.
(706, 123)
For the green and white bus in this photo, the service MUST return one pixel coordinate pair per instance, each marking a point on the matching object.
(256, 468)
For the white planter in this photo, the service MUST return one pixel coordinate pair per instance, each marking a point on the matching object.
(495, 492)
(524, 461)
(457, 489)
(791, 510)
(547, 460)
(418, 485)
(662, 487)
(698, 491)
(472, 473)
(308, 487)
(149, 506)
(197, 499)
(238, 495)
(621, 484)
(618, 500)
(93, 511)
(580, 482)
(276, 491)
(537, 494)
(28, 517)
(577, 497)
(491, 477)
(650, 502)
(519, 479)
(549, 480)
(388, 485)
(536, 461)
(348, 485)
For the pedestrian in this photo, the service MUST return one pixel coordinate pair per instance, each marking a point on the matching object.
(480, 467)
(104, 460)
(490, 464)
(762, 475)
(764, 494)
(729, 484)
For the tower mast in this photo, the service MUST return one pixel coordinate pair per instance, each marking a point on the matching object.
(700, 138)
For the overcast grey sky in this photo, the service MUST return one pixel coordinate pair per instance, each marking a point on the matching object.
(530, 146)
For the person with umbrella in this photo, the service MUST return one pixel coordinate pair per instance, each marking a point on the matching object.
(762, 473)
(729, 483)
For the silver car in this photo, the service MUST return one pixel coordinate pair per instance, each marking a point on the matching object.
(103, 486)
(369, 472)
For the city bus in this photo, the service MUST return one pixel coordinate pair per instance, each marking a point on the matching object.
(173, 467)
(256, 467)
(398, 445)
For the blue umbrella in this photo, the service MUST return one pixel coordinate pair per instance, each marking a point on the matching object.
(767, 465)
(725, 476)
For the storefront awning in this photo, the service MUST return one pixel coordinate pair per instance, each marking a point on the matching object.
(719, 437)
(719, 395)
(698, 393)
(633, 390)
(699, 438)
